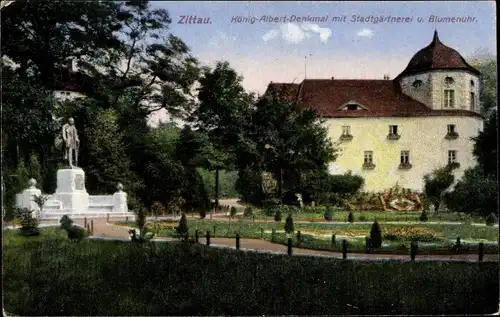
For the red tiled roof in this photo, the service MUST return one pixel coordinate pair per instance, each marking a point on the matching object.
(380, 98)
(436, 55)
(64, 79)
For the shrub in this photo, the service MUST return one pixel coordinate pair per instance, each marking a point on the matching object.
(491, 219)
(350, 217)
(203, 213)
(158, 209)
(328, 213)
(436, 183)
(248, 212)
(75, 233)
(182, 228)
(423, 216)
(375, 236)
(362, 218)
(232, 212)
(29, 224)
(408, 233)
(277, 215)
(289, 228)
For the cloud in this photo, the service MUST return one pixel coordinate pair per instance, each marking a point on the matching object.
(366, 33)
(294, 33)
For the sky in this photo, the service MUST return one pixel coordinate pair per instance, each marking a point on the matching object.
(288, 50)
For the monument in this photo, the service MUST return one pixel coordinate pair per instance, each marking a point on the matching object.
(71, 197)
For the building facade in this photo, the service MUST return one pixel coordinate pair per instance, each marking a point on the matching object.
(396, 131)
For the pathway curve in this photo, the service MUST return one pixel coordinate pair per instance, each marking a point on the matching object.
(107, 230)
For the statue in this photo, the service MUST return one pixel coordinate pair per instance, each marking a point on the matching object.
(71, 142)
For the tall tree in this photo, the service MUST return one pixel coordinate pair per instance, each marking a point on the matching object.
(222, 112)
(488, 95)
(486, 146)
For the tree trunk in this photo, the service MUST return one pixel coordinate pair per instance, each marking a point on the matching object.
(216, 188)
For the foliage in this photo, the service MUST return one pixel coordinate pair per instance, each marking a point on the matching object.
(350, 217)
(474, 194)
(289, 226)
(491, 219)
(75, 233)
(347, 184)
(375, 236)
(277, 215)
(488, 94)
(328, 215)
(232, 212)
(227, 182)
(423, 216)
(410, 233)
(29, 224)
(182, 228)
(248, 212)
(485, 146)
(436, 182)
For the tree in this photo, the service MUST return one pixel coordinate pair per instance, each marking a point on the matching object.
(182, 228)
(435, 184)
(375, 236)
(289, 228)
(487, 65)
(485, 146)
(350, 217)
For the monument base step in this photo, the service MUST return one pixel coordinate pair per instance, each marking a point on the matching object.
(58, 215)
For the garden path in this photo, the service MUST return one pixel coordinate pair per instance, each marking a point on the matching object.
(107, 230)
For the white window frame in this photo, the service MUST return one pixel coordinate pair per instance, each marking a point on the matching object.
(405, 157)
(392, 128)
(346, 130)
(452, 156)
(368, 158)
(449, 98)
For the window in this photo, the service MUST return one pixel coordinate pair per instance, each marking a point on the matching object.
(393, 129)
(346, 130)
(451, 129)
(472, 83)
(449, 98)
(368, 158)
(417, 84)
(452, 156)
(352, 107)
(405, 157)
(472, 101)
(448, 81)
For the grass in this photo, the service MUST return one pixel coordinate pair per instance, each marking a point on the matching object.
(47, 275)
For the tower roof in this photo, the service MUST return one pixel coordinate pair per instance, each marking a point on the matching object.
(435, 56)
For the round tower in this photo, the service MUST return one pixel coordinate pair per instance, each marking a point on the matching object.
(439, 77)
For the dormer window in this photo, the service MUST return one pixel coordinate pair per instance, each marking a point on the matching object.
(448, 81)
(417, 83)
(352, 106)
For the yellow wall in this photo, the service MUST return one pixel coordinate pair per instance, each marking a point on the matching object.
(424, 137)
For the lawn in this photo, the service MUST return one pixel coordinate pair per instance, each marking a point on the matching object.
(47, 275)
(433, 238)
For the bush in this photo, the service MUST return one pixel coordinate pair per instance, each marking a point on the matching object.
(289, 228)
(375, 236)
(277, 215)
(436, 183)
(362, 218)
(158, 209)
(29, 224)
(203, 213)
(248, 212)
(328, 213)
(75, 233)
(342, 186)
(232, 212)
(491, 219)
(350, 217)
(423, 216)
(182, 228)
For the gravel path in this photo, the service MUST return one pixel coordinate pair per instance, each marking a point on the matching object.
(105, 230)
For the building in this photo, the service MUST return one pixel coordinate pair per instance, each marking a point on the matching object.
(395, 131)
(69, 84)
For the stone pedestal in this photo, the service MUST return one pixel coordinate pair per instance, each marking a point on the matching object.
(26, 198)
(71, 190)
(120, 202)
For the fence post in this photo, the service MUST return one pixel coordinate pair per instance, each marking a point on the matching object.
(413, 250)
(344, 249)
(208, 238)
(261, 232)
(85, 222)
(481, 251)
(298, 238)
(458, 244)
(272, 234)
(107, 217)
(92, 226)
(88, 228)
(237, 241)
(289, 246)
(214, 230)
(196, 237)
(333, 241)
(126, 220)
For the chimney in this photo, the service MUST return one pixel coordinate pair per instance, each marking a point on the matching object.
(333, 78)
(386, 77)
